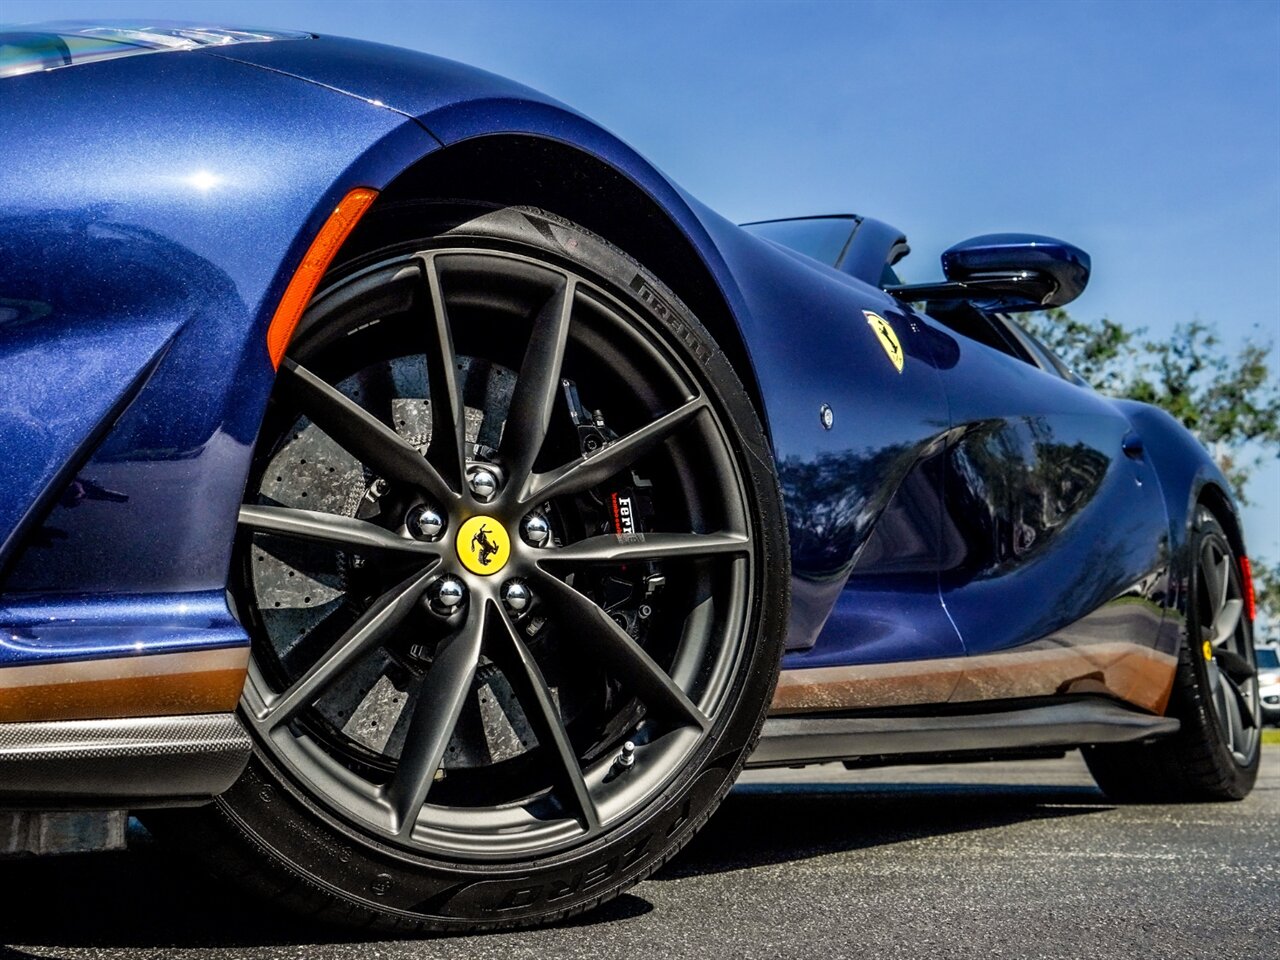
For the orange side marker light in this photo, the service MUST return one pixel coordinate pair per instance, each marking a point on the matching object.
(314, 263)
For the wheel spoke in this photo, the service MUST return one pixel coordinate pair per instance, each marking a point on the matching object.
(589, 471)
(1241, 701)
(623, 548)
(446, 450)
(329, 528)
(359, 432)
(593, 630)
(534, 696)
(1234, 665)
(374, 627)
(1230, 715)
(538, 384)
(1225, 623)
(443, 693)
(1215, 576)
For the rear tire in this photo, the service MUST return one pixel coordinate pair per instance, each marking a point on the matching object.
(1215, 755)
(294, 835)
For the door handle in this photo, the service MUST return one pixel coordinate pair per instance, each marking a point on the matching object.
(1132, 446)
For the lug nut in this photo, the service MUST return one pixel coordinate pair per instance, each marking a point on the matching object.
(446, 594)
(483, 482)
(425, 523)
(516, 595)
(536, 529)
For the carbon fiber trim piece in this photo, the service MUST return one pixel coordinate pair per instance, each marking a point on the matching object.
(798, 740)
(135, 759)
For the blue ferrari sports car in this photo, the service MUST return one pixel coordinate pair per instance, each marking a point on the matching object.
(422, 509)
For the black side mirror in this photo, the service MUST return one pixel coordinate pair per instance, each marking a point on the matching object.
(1006, 272)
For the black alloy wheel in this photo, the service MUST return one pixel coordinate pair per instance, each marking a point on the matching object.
(1215, 754)
(1230, 670)
(515, 578)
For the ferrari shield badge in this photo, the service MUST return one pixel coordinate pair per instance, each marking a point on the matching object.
(888, 339)
(483, 545)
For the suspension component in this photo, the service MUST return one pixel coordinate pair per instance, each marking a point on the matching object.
(592, 432)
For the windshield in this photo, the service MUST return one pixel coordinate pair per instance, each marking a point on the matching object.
(49, 46)
(1268, 658)
(822, 238)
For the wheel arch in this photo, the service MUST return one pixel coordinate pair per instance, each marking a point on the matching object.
(516, 169)
(1218, 501)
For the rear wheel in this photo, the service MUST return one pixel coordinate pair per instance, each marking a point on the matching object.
(514, 567)
(1215, 695)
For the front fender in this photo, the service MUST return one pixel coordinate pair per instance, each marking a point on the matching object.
(152, 210)
(1185, 468)
(1188, 477)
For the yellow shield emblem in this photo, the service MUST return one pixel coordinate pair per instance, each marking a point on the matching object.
(483, 545)
(888, 339)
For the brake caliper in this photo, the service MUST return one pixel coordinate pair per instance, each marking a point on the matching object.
(626, 509)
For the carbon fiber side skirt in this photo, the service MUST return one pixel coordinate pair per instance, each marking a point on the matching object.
(127, 762)
(788, 741)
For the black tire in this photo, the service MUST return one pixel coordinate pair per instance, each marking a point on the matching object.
(1208, 759)
(276, 834)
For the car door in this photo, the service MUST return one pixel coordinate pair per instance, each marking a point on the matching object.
(1054, 535)
(859, 421)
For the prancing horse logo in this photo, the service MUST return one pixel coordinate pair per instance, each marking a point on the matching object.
(483, 548)
(888, 339)
(483, 545)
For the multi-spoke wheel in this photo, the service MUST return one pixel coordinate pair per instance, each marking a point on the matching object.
(515, 577)
(1215, 754)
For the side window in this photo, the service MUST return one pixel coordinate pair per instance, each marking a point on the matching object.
(825, 239)
(1045, 358)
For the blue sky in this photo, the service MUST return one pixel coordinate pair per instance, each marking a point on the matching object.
(1146, 132)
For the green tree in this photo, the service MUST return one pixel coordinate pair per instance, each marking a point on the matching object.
(1101, 352)
(1229, 400)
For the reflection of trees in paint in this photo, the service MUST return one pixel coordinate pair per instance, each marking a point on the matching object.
(1013, 488)
(834, 500)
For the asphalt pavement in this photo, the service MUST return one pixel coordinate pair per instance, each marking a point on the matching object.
(978, 860)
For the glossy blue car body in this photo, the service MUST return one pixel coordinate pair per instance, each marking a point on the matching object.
(153, 209)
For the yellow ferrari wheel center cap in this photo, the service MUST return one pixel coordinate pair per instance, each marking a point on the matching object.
(483, 545)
